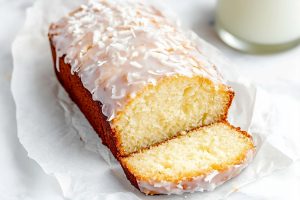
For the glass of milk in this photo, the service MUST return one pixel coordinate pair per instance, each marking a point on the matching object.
(259, 26)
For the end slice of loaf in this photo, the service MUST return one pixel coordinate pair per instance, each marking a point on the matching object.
(200, 160)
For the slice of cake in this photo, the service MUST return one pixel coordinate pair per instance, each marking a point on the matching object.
(200, 160)
(135, 74)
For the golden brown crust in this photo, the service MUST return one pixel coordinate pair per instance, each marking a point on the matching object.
(83, 98)
(231, 96)
(90, 108)
(132, 179)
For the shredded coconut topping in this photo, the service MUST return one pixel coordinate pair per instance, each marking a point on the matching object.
(118, 47)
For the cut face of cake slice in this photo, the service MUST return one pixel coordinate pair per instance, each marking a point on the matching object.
(199, 160)
(176, 104)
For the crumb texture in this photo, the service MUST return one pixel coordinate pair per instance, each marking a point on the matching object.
(174, 105)
(215, 147)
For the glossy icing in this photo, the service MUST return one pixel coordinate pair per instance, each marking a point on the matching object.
(200, 183)
(118, 47)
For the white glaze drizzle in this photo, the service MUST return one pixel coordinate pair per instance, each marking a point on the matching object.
(118, 47)
(57, 62)
(200, 183)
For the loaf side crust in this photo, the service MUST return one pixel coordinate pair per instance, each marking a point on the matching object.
(91, 109)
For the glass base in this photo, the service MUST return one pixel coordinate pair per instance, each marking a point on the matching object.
(249, 47)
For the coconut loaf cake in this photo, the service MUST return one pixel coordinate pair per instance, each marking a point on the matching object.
(137, 76)
(145, 86)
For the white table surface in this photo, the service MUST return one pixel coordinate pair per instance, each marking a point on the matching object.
(28, 179)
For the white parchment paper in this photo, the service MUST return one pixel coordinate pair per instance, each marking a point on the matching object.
(58, 137)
